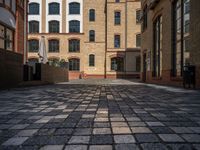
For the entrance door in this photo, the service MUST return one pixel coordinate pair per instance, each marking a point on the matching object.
(144, 67)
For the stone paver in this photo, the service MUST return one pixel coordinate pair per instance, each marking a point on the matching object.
(100, 115)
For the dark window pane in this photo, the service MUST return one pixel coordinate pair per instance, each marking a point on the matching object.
(53, 46)
(33, 45)
(92, 15)
(34, 9)
(33, 27)
(74, 8)
(117, 41)
(138, 40)
(74, 26)
(91, 60)
(54, 26)
(117, 64)
(54, 8)
(92, 35)
(117, 18)
(74, 45)
(74, 64)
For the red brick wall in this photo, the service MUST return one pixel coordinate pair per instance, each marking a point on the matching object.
(19, 33)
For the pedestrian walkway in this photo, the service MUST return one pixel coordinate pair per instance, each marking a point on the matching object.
(106, 115)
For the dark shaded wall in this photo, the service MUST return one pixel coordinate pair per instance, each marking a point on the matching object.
(11, 69)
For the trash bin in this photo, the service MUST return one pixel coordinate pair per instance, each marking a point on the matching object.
(189, 76)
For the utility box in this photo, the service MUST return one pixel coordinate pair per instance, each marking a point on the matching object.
(189, 76)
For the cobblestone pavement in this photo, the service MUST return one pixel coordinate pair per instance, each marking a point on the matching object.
(99, 117)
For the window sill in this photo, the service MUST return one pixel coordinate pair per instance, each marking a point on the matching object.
(74, 52)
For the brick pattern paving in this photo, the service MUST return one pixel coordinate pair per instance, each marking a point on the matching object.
(99, 117)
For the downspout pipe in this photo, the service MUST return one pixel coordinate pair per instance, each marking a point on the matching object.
(25, 31)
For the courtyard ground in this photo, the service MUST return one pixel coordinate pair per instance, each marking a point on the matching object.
(100, 115)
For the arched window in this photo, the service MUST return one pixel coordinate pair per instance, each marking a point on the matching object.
(34, 9)
(117, 18)
(54, 8)
(117, 64)
(74, 64)
(74, 26)
(74, 45)
(74, 8)
(33, 27)
(53, 45)
(92, 36)
(33, 46)
(54, 26)
(91, 60)
(92, 15)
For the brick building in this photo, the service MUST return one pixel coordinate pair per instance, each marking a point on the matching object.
(170, 40)
(98, 38)
(12, 41)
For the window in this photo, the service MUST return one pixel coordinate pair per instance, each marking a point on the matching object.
(117, 64)
(138, 40)
(157, 52)
(34, 9)
(91, 60)
(144, 19)
(74, 8)
(74, 45)
(33, 27)
(92, 36)
(181, 36)
(117, 18)
(53, 46)
(138, 15)
(6, 38)
(117, 1)
(54, 9)
(33, 45)
(117, 41)
(138, 63)
(54, 26)
(74, 64)
(92, 15)
(74, 26)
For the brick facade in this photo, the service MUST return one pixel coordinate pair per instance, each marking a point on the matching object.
(103, 47)
(165, 9)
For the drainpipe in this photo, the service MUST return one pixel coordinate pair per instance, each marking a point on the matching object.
(105, 61)
(25, 31)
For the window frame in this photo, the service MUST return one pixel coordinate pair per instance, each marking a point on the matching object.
(54, 11)
(74, 66)
(57, 47)
(74, 10)
(74, 48)
(91, 60)
(52, 27)
(38, 7)
(34, 48)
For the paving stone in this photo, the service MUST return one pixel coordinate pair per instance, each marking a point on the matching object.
(155, 124)
(146, 138)
(101, 140)
(19, 126)
(153, 146)
(100, 147)
(76, 147)
(27, 132)
(121, 130)
(83, 131)
(52, 147)
(180, 146)
(181, 130)
(126, 147)
(119, 124)
(15, 141)
(196, 146)
(101, 131)
(170, 138)
(67, 131)
(137, 124)
(141, 130)
(191, 137)
(79, 140)
(124, 139)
